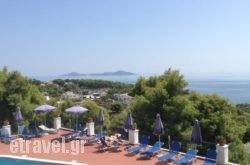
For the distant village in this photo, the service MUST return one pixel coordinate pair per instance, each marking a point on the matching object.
(92, 94)
(96, 95)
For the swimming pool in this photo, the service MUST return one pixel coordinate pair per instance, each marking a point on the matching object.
(15, 160)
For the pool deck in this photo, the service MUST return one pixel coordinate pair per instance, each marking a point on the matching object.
(90, 156)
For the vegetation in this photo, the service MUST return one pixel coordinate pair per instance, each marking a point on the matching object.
(85, 84)
(166, 94)
(80, 86)
(15, 90)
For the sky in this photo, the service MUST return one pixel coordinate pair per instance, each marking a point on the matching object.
(196, 37)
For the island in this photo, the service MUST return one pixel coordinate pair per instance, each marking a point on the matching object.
(117, 73)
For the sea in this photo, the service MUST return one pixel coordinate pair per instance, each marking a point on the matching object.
(235, 90)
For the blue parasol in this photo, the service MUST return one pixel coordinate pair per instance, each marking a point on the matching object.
(77, 110)
(43, 109)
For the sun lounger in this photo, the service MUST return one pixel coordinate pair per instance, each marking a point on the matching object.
(7, 139)
(94, 138)
(103, 145)
(82, 133)
(75, 135)
(210, 158)
(142, 145)
(78, 134)
(174, 151)
(48, 130)
(187, 158)
(115, 145)
(1, 135)
(69, 136)
(36, 132)
(152, 150)
(27, 134)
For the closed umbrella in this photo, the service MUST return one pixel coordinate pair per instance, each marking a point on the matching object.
(196, 137)
(129, 121)
(77, 110)
(196, 134)
(18, 116)
(100, 119)
(158, 126)
(43, 109)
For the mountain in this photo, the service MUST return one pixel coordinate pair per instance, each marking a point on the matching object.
(117, 73)
(74, 74)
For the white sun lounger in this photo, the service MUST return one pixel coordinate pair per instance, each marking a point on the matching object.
(48, 130)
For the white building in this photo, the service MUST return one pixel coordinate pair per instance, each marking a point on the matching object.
(124, 98)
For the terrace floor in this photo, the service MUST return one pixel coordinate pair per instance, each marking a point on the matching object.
(91, 154)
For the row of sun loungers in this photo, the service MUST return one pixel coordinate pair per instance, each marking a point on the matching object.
(145, 151)
(149, 151)
(142, 149)
(189, 156)
(173, 154)
(29, 133)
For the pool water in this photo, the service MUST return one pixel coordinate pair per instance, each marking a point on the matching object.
(11, 161)
(14, 160)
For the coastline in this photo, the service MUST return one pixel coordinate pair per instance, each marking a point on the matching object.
(236, 90)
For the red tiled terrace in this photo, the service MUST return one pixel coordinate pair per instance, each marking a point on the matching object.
(91, 155)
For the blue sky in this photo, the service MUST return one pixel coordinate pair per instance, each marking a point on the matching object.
(53, 37)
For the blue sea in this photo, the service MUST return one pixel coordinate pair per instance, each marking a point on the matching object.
(236, 90)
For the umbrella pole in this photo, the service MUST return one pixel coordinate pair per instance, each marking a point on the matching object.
(76, 123)
(169, 146)
(101, 131)
(195, 150)
(35, 120)
(45, 119)
(18, 132)
(159, 139)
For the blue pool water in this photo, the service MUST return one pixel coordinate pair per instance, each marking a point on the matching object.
(12, 161)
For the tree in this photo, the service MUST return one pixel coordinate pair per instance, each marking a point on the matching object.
(17, 90)
(159, 95)
(178, 107)
(116, 107)
(94, 112)
(173, 82)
